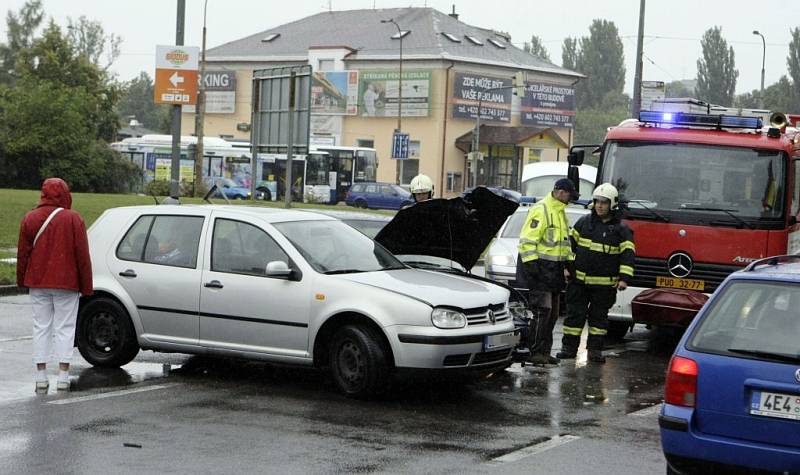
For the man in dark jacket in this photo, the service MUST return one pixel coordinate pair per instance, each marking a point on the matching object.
(53, 262)
(604, 255)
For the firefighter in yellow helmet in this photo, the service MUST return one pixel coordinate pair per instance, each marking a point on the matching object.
(544, 251)
(421, 188)
(604, 255)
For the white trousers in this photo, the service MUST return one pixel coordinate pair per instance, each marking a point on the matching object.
(55, 312)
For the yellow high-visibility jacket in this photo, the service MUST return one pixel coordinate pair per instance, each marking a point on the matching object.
(545, 234)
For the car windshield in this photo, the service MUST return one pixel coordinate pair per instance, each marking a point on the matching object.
(333, 247)
(754, 318)
(680, 177)
(542, 185)
(370, 227)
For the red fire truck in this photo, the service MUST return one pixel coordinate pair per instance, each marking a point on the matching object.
(706, 194)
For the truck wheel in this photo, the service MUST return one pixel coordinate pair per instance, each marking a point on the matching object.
(618, 330)
(358, 362)
(106, 336)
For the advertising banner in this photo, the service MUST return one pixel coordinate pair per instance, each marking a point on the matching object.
(334, 92)
(546, 104)
(378, 93)
(493, 93)
(220, 87)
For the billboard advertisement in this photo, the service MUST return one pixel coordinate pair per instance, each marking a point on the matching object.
(334, 92)
(378, 93)
(493, 94)
(220, 88)
(549, 105)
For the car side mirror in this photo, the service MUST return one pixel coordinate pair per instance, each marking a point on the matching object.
(279, 269)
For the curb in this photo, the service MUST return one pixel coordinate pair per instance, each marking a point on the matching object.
(12, 290)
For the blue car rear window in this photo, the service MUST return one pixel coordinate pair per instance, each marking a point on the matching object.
(751, 317)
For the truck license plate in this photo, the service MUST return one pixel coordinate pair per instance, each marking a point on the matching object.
(784, 406)
(676, 283)
(503, 340)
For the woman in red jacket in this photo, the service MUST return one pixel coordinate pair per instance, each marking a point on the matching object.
(53, 262)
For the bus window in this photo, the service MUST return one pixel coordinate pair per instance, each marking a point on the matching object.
(317, 168)
(366, 166)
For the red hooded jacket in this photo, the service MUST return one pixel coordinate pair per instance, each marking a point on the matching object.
(60, 259)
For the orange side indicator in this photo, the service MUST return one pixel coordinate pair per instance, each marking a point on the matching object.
(319, 296)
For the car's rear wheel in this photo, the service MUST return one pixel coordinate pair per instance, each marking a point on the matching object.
(358, 362)
(106, 336)
(618, 330)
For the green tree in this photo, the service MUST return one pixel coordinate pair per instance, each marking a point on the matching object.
(137, 101)
(716, 70)
(569, 54)
(677, 89)
(536, 48)
(601, 58)
(58, 119)
(591, 124)
(90, 40)
(793, 61)
(21, 28)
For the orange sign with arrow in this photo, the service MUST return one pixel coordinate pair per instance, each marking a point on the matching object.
(176, 75)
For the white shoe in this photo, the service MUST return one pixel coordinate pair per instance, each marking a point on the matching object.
(62, 385)
(42, 386)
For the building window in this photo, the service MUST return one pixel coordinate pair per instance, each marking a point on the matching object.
(413, 149)
(407, 169)
(534, 155)
(368, 143)
(326, 65)
(454, 182)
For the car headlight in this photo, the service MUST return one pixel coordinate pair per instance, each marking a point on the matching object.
(448, 318)
(501, 260)
(518, 310)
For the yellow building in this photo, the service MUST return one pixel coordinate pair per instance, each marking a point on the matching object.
(448, 67)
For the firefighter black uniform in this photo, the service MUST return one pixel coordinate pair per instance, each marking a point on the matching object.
(544, 250)
(604, 255)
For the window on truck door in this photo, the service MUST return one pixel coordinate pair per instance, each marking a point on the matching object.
(796, 188)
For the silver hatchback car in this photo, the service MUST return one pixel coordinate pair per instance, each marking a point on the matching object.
(282, 286)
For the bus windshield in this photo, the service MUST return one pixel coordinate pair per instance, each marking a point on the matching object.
(366, 166)
(747, 183)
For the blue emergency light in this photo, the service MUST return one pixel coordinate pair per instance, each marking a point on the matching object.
(700, 120)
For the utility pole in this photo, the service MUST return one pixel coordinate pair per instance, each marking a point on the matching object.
(763, 59)
(289, 142)
(200, 113)
(636, 106)
(399, 88)
(175, 167)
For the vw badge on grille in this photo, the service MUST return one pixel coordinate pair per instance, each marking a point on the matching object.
(797, 375)
(490, 314)
(679, 265)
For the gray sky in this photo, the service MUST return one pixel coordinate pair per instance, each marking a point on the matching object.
(673, 28)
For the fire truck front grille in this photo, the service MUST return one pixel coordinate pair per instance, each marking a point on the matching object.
(646, 270)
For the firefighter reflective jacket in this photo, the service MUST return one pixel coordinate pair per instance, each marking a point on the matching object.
(545, 233)
(604, 252)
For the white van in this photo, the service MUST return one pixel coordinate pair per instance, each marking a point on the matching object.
(538, 178)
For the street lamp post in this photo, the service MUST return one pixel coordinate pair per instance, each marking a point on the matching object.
(199, 116)
(399, 86)
(763, 59)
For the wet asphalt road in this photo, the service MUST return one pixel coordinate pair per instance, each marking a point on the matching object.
(179, 414)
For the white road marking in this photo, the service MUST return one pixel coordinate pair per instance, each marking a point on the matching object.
(536, 448)
(647, 411)
(18, 338)
(123, 392)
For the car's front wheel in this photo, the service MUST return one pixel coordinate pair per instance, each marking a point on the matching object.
(361, 204)
(358, 362)
(106, 336)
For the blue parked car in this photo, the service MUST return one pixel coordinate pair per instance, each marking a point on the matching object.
(732, 395)
(233, 190)
(377, 195)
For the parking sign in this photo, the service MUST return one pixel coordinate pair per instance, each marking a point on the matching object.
(400, 146)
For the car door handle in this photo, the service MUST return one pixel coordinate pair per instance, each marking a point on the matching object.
(128, 273)
(214, 284)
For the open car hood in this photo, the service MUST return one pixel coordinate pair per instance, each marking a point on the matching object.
(458, 229)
